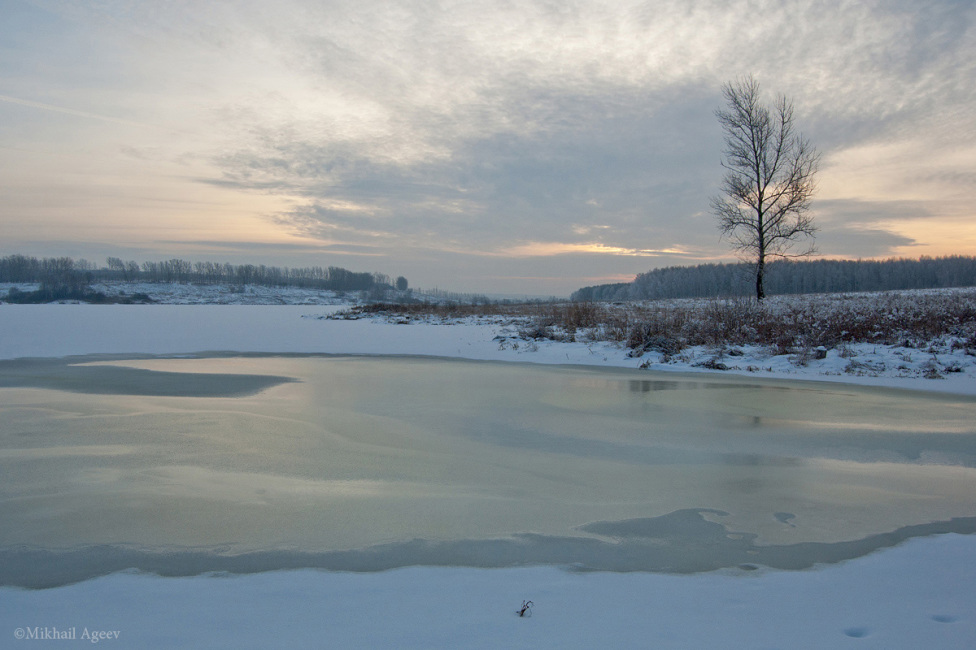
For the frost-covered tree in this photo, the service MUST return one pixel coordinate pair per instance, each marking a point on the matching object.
(763, 209)
(116, 265)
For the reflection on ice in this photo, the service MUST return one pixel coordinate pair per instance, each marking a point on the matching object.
(685, 541)
(396, 460)
(646, 386)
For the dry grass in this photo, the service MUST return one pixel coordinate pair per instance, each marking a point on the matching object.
(789, 323)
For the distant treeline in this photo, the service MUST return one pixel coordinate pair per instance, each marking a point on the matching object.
(790, 277)
(66, 272)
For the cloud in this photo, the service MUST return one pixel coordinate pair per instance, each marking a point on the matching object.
(864, 229)
(557, 131)
(529, 122)
(857, 243)
(598, 162)
(70, 111)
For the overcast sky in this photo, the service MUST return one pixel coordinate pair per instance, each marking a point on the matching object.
(518, 147)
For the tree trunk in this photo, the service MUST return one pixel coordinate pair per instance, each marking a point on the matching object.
(760, 269)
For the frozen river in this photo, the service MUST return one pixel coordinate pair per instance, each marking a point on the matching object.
(254, 462)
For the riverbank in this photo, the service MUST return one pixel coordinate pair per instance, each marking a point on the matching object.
(62, 330)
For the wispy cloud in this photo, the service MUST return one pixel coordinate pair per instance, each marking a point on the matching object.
(563, 131)
(70, 111)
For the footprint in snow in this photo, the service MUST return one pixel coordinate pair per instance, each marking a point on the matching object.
(945, 618)
(857, 632)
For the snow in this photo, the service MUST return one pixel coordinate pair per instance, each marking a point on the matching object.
(177, 293)
(918, 595)
(63, 330)
(921, 593)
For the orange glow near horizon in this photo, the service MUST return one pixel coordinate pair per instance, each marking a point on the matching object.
(549, 249)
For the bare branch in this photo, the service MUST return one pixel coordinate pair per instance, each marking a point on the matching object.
(764, 206)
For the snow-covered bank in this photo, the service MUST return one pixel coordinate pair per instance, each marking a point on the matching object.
(62, 330)
(182, 293)
(918, 595)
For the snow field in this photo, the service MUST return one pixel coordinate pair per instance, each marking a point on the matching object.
(918, 595)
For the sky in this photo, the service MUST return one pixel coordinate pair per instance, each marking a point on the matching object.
(522, 147)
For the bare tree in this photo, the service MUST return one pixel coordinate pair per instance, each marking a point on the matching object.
(764, 206)
(131, 270)
(117, 265)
